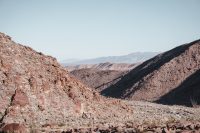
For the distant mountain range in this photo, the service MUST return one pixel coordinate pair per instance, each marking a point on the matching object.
(103, 66)
(130, 58)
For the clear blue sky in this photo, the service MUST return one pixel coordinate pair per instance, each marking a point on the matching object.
(92, 28)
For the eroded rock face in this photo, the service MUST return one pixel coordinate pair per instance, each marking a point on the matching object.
(158, 76)
(35, 89)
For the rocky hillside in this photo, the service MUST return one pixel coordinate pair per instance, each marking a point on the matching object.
(170, 78)
(35, 86)
(103, 66)
(100, 76)
(36, 91)
(188, 93)
(98, 79)
(38, 95)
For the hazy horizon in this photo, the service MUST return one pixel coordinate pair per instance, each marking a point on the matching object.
(81, 59)
(89, 29)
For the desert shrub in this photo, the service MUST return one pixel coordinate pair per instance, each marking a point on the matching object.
(194, 103)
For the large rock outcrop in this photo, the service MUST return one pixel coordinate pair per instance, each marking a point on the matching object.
(34, 86)
(155, 78)
(37, 91)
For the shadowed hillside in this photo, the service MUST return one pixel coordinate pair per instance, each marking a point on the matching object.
(158, 76)
(188, 93)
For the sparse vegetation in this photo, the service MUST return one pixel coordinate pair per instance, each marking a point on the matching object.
(61, 124)
(194, 103)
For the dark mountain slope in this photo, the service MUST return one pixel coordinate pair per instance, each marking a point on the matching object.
(188, 93)
(158, 76)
